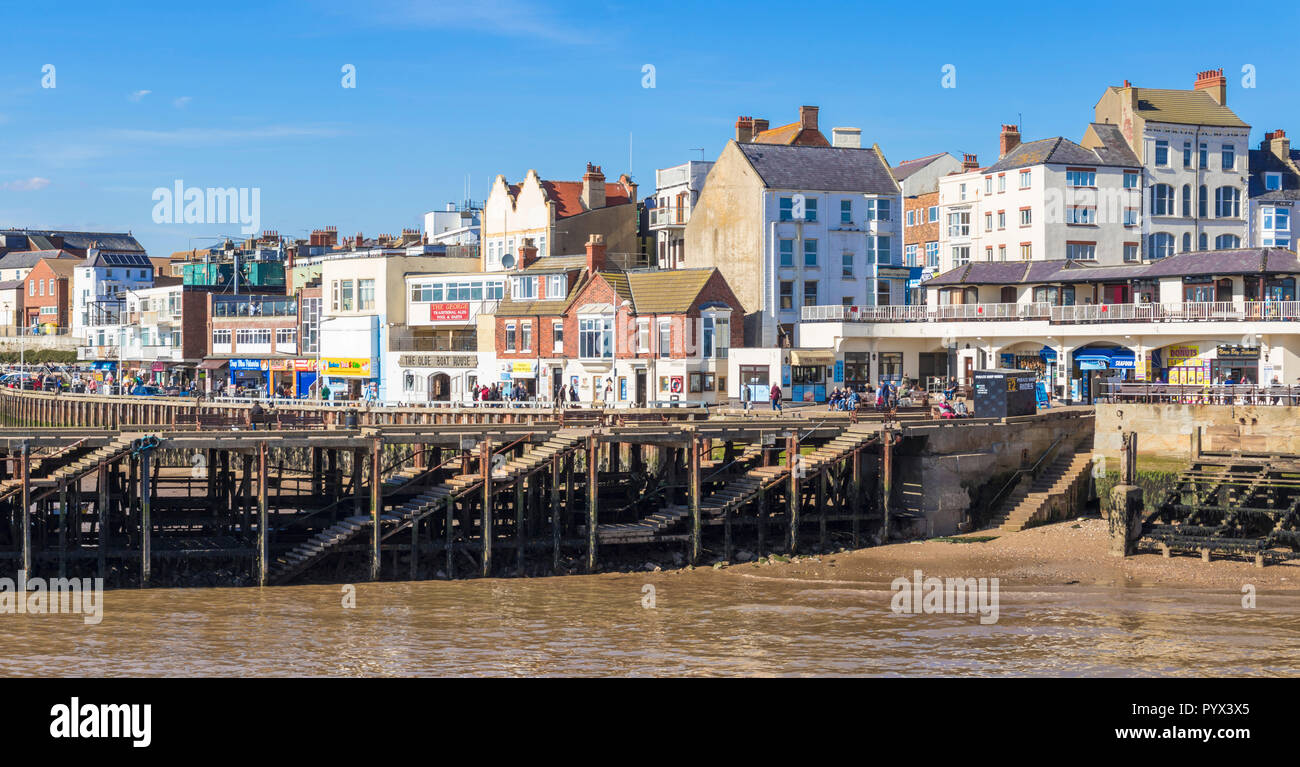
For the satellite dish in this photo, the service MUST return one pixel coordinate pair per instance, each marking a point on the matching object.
(508, 261)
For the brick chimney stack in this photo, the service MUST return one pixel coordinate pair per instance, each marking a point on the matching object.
(808, 117)
(356, 244)
(1276, 143)
(970, 162)
(595, 253)
(527, 253)
(1213, 82)
(1009, 139)
(593, 188)
(760, 126)
(744, 130)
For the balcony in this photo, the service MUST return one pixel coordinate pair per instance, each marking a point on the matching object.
(97, 352)
(671, 216)
(1208, 311)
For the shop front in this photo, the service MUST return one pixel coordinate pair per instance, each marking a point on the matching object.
(1092, 365)
(248, 378)
(436, 377)
(811, 370)
(349, 378)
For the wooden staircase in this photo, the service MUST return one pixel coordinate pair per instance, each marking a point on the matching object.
(424, 503)
(1032, 498)
(737, 492)
(115, 449)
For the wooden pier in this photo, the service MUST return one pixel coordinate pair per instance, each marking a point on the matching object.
(182, 493)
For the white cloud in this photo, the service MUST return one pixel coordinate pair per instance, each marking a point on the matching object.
(138, 95)
(508, 18)
(26, 184)
(182, 102)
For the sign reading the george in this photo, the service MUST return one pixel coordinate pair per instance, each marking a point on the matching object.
(449, 312)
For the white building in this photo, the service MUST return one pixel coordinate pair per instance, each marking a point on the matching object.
(1046, 199)
(437, 357)
(454, 225)
(676, 190)
(99, 290)
(1274, 192)
(1193, 151)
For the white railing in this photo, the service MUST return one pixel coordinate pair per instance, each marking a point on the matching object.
(673, 215)
(926, 313)
(1191, 311)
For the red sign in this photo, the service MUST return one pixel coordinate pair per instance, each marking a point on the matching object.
(448, 312)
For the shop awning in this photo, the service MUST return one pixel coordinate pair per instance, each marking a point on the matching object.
(812, 357)
(158, 367)
(212, 364)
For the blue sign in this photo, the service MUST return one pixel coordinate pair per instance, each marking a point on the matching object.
(839, 370)
(245, 365)
(1041, 391)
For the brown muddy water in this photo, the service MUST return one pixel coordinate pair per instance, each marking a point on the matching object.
(704, 623)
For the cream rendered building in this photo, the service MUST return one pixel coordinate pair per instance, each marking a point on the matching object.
(559, 216)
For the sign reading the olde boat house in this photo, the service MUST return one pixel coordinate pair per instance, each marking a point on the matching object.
(437, 361)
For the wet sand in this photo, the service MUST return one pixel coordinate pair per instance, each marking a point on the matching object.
(1065, 553)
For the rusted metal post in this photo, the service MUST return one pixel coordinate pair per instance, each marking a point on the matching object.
(376, 504)
(794, 466)
(263, 518)
(25, 460)
(485, 469)
(593, 500)
(693, 495)
(146, 518)
(102, 508)
(855, 501)
(555, 513)
(886, 479)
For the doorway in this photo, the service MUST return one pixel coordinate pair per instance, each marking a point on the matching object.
(640, 387)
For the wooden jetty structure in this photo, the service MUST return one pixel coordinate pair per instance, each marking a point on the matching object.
(1237, 505)
(178, 492)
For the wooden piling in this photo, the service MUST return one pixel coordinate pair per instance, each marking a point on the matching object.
(485, 467)
(693, 496)
(376, 503)
(593, 499)
(263, 518)
(792, 464)
(555, 513)
(146, 518)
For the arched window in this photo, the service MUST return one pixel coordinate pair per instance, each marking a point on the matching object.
(1204, 242)
(1187, 200)
(1187, 242)
(1161, 245)
(1227, 242)
(1202, 202)
(1162, 200)
(1227, 202)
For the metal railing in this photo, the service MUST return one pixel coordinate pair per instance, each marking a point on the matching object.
(1190, 311)
(1197, 394)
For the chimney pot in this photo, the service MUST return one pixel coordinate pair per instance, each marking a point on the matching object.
(808, 117)
(595, 253)
(1213, 82)
(744, 130)
(593, 188)
(1008, 140)
(969, 162)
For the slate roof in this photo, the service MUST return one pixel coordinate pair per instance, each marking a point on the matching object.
(1056, 151)
(26, 259)
(908, 167)
(1114, 149)
(820, 168)
(1241, 261)
(1183, 108)
(81, 240)
(557, 264)
(1263, 161)
(11, 284)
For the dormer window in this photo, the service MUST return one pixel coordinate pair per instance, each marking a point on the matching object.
(1272, 181)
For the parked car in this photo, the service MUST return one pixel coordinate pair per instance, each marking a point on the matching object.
(147, 391)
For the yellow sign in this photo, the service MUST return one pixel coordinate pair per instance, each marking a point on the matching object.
(1176, 355)
(521, 367)
(346, 367)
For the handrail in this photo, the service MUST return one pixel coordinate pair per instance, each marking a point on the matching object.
(1019, 474)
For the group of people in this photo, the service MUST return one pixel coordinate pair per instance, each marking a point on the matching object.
(843, 399)
(498, 393)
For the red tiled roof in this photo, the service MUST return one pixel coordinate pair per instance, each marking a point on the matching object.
(791, 135)
(568, 196)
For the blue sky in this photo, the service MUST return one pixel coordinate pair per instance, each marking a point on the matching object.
(249, 94)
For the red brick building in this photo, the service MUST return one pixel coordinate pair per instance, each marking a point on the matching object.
(49, 293)
(618, 337)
